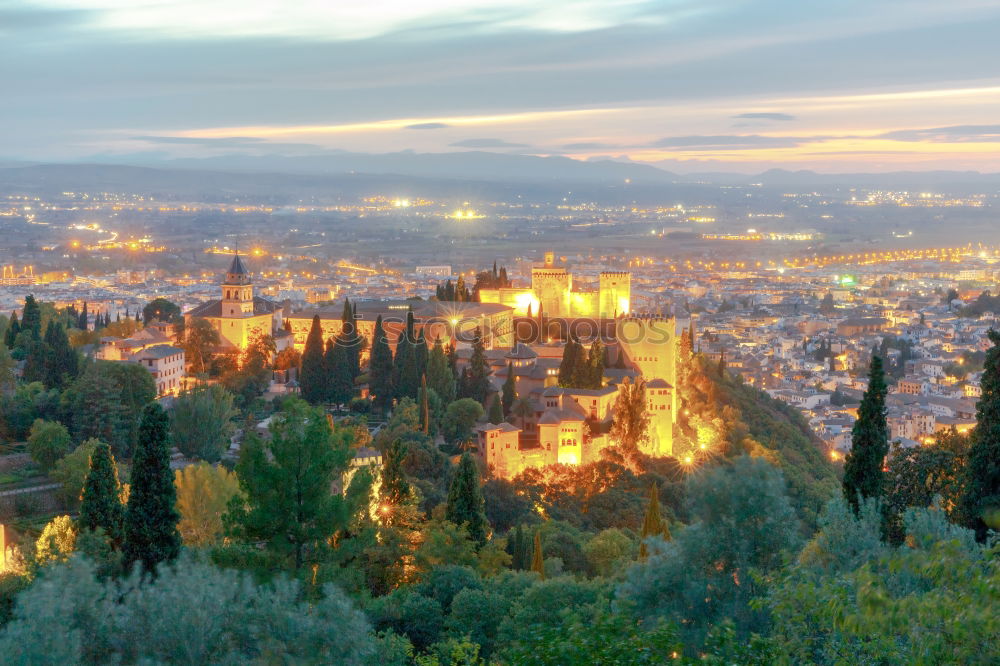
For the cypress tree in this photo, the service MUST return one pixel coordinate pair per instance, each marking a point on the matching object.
(652, 524)
(395, 491)
(515, 548)
(13, 328)
(151, 517)
(312, 379)
(31, 317)
(508, 393)
(380, 367)
(352, 342)
(478, 381)
(869, 442)
(36, 361)
(569, 367)
(537, 561)
(496, 411)
(440, 376)
(329, 371)
(421, 354)
(61, 362)
(981, 496)
(101, 506)
(341, 378)
(425, 407)
(465, 500)
(592, 373)
(620, 363)
(407, 375)
(686, 345)
(82, 323)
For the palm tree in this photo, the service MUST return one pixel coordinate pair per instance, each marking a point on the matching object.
(522, 409)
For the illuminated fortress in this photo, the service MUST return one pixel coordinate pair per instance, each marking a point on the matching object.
(571, 426)
(552, 290)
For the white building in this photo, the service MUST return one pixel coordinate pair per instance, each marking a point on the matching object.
(166, 364)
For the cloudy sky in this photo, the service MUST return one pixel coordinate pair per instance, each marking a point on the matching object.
(689, 85)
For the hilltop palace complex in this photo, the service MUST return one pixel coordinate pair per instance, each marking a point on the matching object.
(564, 425)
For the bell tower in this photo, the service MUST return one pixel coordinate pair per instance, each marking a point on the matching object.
(237, 290)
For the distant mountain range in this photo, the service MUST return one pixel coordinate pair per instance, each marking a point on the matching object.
(338, 172)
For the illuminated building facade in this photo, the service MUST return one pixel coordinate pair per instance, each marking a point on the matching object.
(552, 290)
(239, 315)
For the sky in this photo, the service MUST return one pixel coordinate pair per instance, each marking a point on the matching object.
(686, 85)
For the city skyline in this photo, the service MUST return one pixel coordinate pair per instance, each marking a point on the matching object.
(688, 87)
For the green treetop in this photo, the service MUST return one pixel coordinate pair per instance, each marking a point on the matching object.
(312, 381)
(151, 516)
(981, 499)
(286, 485)
(465, 500)
(380, 367)
(508, 393)
(869, 441)
(537, 561)
(101, 506)
(652, 524)
(440, 376)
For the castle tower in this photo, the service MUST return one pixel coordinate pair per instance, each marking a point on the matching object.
(650, 344)
(237, 290)
(552, 286)
(615, 294)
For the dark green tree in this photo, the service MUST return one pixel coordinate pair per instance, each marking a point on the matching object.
(478, 384)
(981, 497)
(465, 500)
(101, 507)
(313, 379)
(84, 319)
(537, 559)
(421, 353)
(202, 422)
(340, 378)
(352, 342)
(162, 309)
(593, 372)
(31, 317)
(459, 419)
(425, 406)
(395, 493)
(380, 367)
(151, 517)
(61, 363)
(36, 358)
(508, 393)
(569, 368)
(652, 524)
(406, 369)
(13, 328)
(97, 411)
(440, 376)
(496, 411)
(863, 477)
(286, 483)
(620, 363)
